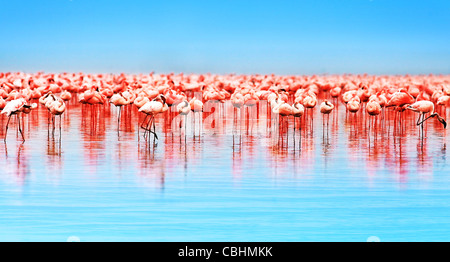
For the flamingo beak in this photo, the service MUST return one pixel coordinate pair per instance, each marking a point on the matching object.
(411, 108)
(442, 121)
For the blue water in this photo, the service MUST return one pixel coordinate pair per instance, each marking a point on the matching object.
(97, 185)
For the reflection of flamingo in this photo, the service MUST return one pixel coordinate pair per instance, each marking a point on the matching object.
(425, 107)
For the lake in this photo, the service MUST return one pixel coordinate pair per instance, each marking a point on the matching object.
(243, 180)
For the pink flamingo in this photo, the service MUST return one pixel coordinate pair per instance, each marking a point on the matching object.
(196, 107)
(152, 108)
(400, 100)
(326, 108)
(119, 100)
(373, 108)
(284, 110)
(15, 107)
(56, 108)
(425, 107)
(297, 111)
(183, 109)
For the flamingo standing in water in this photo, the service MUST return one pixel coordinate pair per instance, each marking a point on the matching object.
(56, 108)
(373, 108)
(400, 100)
(156, 106)
(66, 95)
(119, 100)
(297, 111)
(326, 108)
(309, 102)
(237, 100)
(424, 107)
(15, 107)
(284, 110)
(196, 107)
(183, 109)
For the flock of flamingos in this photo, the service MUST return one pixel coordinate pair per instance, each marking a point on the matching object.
(286, 96)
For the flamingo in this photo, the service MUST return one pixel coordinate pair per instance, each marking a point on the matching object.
(237, 100)
(326, 108)
(56, 108)
(353, 105)
(424, 107)
(152, 108)
(140, 101)
(373, 108)
(297, 111)
(183, 109)
(66, 95)
(309, 102)
(196, 106)
(15, 107)
(118, 100)
(400, 100)
(284, 110)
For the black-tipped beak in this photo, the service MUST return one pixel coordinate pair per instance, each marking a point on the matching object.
(163, 99)
(443, 122)
(411, 108)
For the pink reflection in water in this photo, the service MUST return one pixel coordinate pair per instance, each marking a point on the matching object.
(247, 138)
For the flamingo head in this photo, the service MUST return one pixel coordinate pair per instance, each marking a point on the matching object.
(161, 98)
(442, 120)
(410, 107)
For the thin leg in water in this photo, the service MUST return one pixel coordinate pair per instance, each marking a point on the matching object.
(20, 129)
(7, 123)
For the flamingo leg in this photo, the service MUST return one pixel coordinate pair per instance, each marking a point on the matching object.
(194, 124)
(145, 128)
(118, 120)
(423, 120)
(60, 129)
(185, 129)
(142, 124)
(300, 129)
(418, 123)
(421, 125)
(149, 127)
(154, 131)
(53, 125)
(20, 129)
(287, 131)
(293, 134)
(7, 123)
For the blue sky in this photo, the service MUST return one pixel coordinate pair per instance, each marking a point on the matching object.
(281, 37)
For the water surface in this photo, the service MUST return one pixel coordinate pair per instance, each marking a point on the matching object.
(236, 181)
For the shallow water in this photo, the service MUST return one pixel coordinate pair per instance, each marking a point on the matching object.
(241, 181)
